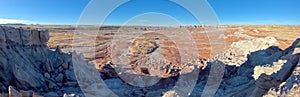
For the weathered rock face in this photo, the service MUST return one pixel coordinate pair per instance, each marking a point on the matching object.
(27, 64)
(264, 70)
(237, 53)
(23, 36)
(290, 86)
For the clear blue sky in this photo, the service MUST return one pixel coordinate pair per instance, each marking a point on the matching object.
(228, 11)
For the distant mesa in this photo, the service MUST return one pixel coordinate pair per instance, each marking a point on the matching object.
(13, 24)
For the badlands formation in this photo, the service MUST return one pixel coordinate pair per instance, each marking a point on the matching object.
(250, 66)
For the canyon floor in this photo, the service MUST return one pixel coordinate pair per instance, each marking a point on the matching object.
(63, 35)
(236, 60)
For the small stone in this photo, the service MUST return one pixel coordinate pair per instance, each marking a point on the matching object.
(59, 77)
(70, 65)
(12, 92)
(70, 75)
(51, 85)
(65, 65)
(65, 95)
(49, 66)
(59, 84)
(296, 50)
(47, 75)
(71, 84)
(70, 95)
(60, 69)
(58, 49)
(56, 71)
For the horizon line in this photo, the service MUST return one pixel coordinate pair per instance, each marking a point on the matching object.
(21, 24)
